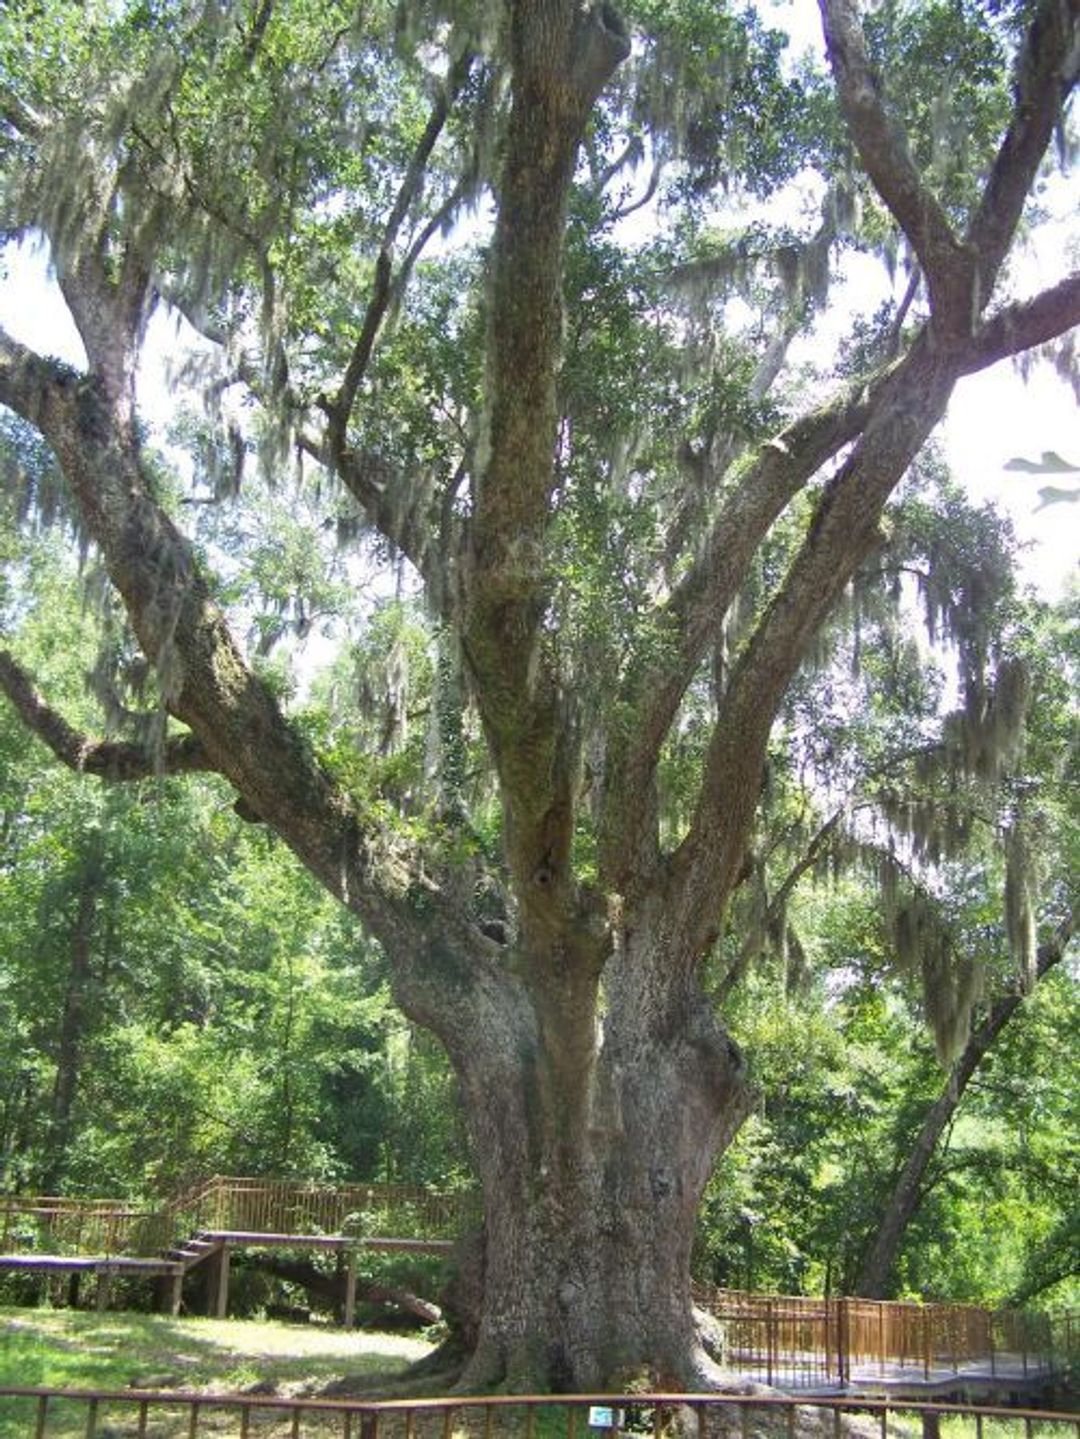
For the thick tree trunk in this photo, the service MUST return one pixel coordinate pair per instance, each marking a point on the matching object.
(596, 1116)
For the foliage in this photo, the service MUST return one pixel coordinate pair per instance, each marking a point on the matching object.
(236, 1022)
(516, 308)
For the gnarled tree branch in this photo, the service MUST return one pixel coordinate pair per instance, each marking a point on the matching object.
(204, 678)
(901, 416)
(843, 532)
(382, 292)
(108, 759)
(1023, 325)
(777, 901)
(693, 618)
(31, 384)
(884, 151)
(1046, 71)
(399, 507)
(20, 116)
(561, 57)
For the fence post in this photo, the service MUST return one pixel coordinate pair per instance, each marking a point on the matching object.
(350, 1290)
(221, 1297)
(843, 1335)
(215, 1197)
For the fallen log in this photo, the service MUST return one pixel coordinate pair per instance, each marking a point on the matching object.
(329, 1288)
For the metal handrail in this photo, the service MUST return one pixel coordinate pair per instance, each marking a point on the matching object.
(795, 1338)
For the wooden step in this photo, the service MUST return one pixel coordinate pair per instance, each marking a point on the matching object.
(195, 1250)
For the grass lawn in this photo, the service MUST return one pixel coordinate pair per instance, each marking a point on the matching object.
(72, 1349)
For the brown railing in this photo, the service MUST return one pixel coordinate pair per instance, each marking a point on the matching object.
(282, 1207)
(604, 1416)
(787, 1340)
(49, 1225)
(833, 1342)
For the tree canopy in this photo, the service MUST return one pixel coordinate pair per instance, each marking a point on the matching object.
(509, 303)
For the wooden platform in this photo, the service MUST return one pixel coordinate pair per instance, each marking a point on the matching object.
(104, 1267)
(351, 1245)
(831, 1345)
(255, 1239)
(1009, 1373)
(812, 1374)
(217, 1245)
(88, 1263)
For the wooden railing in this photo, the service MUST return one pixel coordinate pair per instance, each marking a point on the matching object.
(65, 1226)
(580, 1416)
(52, 1224)
(784, 1339)
(793, 1339)
(282, 1207)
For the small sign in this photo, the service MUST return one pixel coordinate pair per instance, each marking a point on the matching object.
(601, 1417)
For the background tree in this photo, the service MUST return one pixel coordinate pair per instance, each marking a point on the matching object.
(218, 946)
(203, 1005)
(884, 899)
(583, 457)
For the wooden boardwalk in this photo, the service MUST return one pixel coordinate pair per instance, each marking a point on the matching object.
(57, 1235)
(1013, 1374)
(843, 1345)
(803, 1345)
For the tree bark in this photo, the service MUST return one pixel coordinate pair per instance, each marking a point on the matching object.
(595, 1120)
(597, 1083)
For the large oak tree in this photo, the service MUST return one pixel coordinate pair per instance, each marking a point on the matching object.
(275, 172)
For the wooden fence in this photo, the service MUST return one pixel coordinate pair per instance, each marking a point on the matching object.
(55, 1225)
(281, 1207)
(790, 1339)
(52, 1224)
(784, 1339)
(98, 1412)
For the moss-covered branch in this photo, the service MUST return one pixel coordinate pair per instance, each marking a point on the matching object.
(561, 57)
(108, 759)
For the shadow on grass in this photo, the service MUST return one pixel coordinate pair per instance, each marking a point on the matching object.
(71, 1349)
